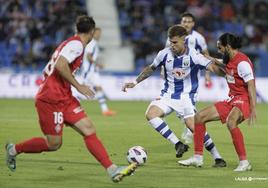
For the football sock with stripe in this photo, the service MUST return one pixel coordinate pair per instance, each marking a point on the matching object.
(160, 126)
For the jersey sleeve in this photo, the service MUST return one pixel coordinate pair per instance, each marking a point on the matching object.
(158, 60)
(72, 50)
(245, 71)
(92, 49)
(200, 59)
(202, 43)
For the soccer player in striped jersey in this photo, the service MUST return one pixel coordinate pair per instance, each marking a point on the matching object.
(193, 40)
(181, 66)
(89, 72)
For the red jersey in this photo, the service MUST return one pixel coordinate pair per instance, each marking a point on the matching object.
(54, 87)
(239, 70)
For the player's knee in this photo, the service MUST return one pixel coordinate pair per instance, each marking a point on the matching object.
(231, 123)
(200, 118)
(54, 145)
(149, 115)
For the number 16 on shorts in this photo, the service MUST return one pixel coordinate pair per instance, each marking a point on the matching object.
(58, 120)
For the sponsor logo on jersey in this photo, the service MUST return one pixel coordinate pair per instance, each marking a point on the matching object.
(77, 110)
(178, 73)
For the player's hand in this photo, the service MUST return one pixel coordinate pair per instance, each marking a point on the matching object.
(85, 90)
(128, 85)
(252, 117)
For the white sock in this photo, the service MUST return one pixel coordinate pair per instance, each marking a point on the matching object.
(101, 98)
(198, 157)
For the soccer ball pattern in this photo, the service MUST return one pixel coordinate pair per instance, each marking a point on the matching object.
(137, 154)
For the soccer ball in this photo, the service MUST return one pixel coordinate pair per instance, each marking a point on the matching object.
(137, 154)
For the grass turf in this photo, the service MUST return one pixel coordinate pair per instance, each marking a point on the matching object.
(72, 165)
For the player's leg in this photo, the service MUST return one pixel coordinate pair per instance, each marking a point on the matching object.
(234, 118)
(154, 113)
(84, 126)
(95, 80)
(102, 101)
(208, 142)
(51, 123)
(207, 114)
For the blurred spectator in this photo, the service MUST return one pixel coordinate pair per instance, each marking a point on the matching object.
(30, 29)
(144, 22)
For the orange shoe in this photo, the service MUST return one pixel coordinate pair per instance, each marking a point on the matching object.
(109, 113)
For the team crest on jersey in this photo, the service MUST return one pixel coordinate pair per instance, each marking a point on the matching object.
(58, 128)
(186, 62)
(230, 79)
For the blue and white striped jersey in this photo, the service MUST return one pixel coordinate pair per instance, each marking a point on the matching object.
(180, 72)
(197, 41)
(92, 48)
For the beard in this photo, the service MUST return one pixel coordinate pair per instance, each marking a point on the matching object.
(225, 58)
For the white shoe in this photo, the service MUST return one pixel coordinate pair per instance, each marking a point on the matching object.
(187, 136)
(193, 161)
(243, 166)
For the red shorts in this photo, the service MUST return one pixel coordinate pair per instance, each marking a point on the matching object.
(53, 116)
(224, 107)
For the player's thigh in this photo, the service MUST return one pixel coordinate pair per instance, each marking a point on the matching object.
(75, 116)
(51, 118)
(234, 118)
(84, 127)
(157, 108)
(207, 114)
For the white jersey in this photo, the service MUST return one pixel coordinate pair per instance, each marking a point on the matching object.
(87, 67)
(180, 72)
(194, 41)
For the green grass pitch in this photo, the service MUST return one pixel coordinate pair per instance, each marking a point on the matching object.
(72, 165)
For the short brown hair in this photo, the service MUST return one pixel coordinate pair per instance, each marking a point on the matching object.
(176, 31)
(84, 24)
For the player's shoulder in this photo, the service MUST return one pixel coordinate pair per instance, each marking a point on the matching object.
(74, 42)
(197, 35)
(164, 51)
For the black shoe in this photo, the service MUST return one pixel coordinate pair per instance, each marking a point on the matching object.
(219, 163)
(181, 149)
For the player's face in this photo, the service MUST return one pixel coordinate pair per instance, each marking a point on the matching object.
(188, 23)
(224, 51)
(90, 35)
(177, 44)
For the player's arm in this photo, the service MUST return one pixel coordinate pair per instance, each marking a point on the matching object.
(252, 101)
(246, 73)
(213, 67)
(147, 72)
(207, 73)
(62, 66)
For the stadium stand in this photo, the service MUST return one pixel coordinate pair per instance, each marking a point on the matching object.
(30, 30)
(143, 23)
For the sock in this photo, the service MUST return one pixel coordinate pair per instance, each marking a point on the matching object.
(96, 148)
(199, 133)
(160, 126)
(238, 142)
(101, 98)
(34, 145)
(210, 146)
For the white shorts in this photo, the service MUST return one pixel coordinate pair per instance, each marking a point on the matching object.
(183, 107)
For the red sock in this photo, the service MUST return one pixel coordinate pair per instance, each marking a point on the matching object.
(96, 148)
(199, 134)
(239, 145)
(34, 145)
